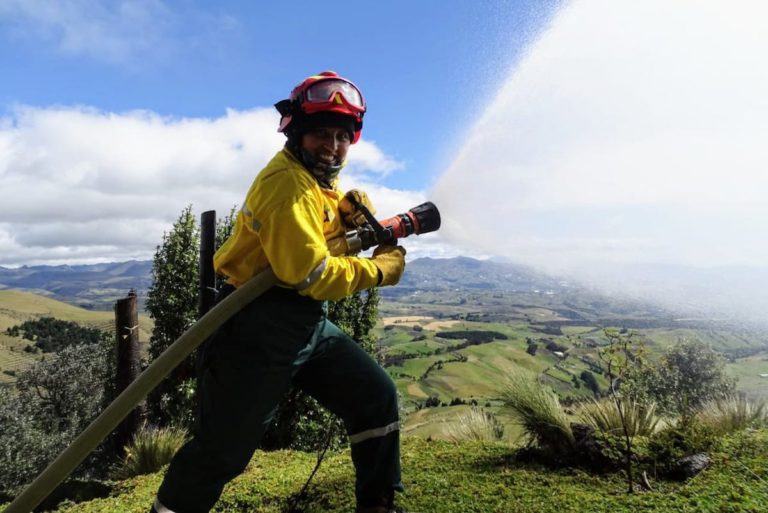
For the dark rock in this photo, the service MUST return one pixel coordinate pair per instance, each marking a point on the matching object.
(686, 468)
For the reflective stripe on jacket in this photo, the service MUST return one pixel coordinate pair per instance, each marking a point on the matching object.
(285, 222)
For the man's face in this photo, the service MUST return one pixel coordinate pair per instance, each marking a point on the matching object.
(327, 145)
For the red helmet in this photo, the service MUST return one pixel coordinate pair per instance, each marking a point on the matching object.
(325, 92)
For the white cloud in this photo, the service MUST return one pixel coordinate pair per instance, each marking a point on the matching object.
(77, 184)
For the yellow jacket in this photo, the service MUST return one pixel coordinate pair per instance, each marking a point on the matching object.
(284, 223)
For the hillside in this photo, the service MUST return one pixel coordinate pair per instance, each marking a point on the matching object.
(474, 477)
(460, 294)
(18, 306)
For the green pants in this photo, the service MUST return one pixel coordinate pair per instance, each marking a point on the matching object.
(278, 341)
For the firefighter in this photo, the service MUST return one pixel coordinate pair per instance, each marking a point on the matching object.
(283, 338)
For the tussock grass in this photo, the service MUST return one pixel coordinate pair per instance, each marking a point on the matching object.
(733, 413)
(475, 424)
(150, 450)
(538, 411)
(603, 415)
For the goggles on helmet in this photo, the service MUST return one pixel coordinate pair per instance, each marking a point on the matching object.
(325, 92)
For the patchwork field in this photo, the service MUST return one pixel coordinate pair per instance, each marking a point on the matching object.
(427, 366)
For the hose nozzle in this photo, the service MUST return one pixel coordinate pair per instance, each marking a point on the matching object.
(423, 218)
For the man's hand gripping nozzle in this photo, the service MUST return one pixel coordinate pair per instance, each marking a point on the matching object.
(370, 232)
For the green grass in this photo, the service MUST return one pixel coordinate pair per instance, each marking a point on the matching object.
(151, 449)
(748, 371)
(475, 477)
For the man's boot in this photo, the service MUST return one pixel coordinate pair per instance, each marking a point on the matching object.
(386, 505)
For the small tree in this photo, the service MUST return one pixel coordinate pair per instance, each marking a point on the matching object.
(172, 304)
(357, 316)
(618, 358)
(688, 375)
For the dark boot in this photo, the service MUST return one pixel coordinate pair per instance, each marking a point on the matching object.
(385, 505)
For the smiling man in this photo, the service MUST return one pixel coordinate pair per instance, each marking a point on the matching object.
(283, 338)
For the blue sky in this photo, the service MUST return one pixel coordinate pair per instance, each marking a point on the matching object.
(426, 67)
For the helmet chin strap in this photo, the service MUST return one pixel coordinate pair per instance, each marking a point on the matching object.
(324, 173)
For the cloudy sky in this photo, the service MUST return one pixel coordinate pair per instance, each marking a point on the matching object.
(114, 115)
(567, 134)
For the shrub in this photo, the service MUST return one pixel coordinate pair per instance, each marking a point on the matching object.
(52, 335)
(590, 381)
(732, 413)
(55, 399)
(676, 441)
(688, 375)
(604, 416)
(537, 409)
(151, 449)
(475, 424)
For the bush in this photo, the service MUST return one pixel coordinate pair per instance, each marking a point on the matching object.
(151, 449)
(688, 375)
(604, 416)
(732, 413)
(300, 423)
(55, 400)
(538, 411)
(475, 424)
(674, 442)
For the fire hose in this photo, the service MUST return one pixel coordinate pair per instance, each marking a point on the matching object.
(424, 218)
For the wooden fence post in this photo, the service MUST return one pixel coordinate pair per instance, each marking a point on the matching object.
(207, 289)
(128, 363)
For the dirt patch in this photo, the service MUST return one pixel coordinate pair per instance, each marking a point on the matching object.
(437, 325)
(415, 390)
(407, 320)
(428, 323)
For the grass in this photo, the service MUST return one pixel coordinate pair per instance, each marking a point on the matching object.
(150, 450)
(604, 416)
(538, 412)
(475, 424)
(433, 423)
(475, 477)
(733, 413)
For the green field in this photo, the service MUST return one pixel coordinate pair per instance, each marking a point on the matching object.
(752, 374)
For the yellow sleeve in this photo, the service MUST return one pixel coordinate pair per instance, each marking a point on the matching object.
(292, 239)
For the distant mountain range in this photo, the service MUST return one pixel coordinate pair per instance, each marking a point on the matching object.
(95, 286)
(98, 286)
